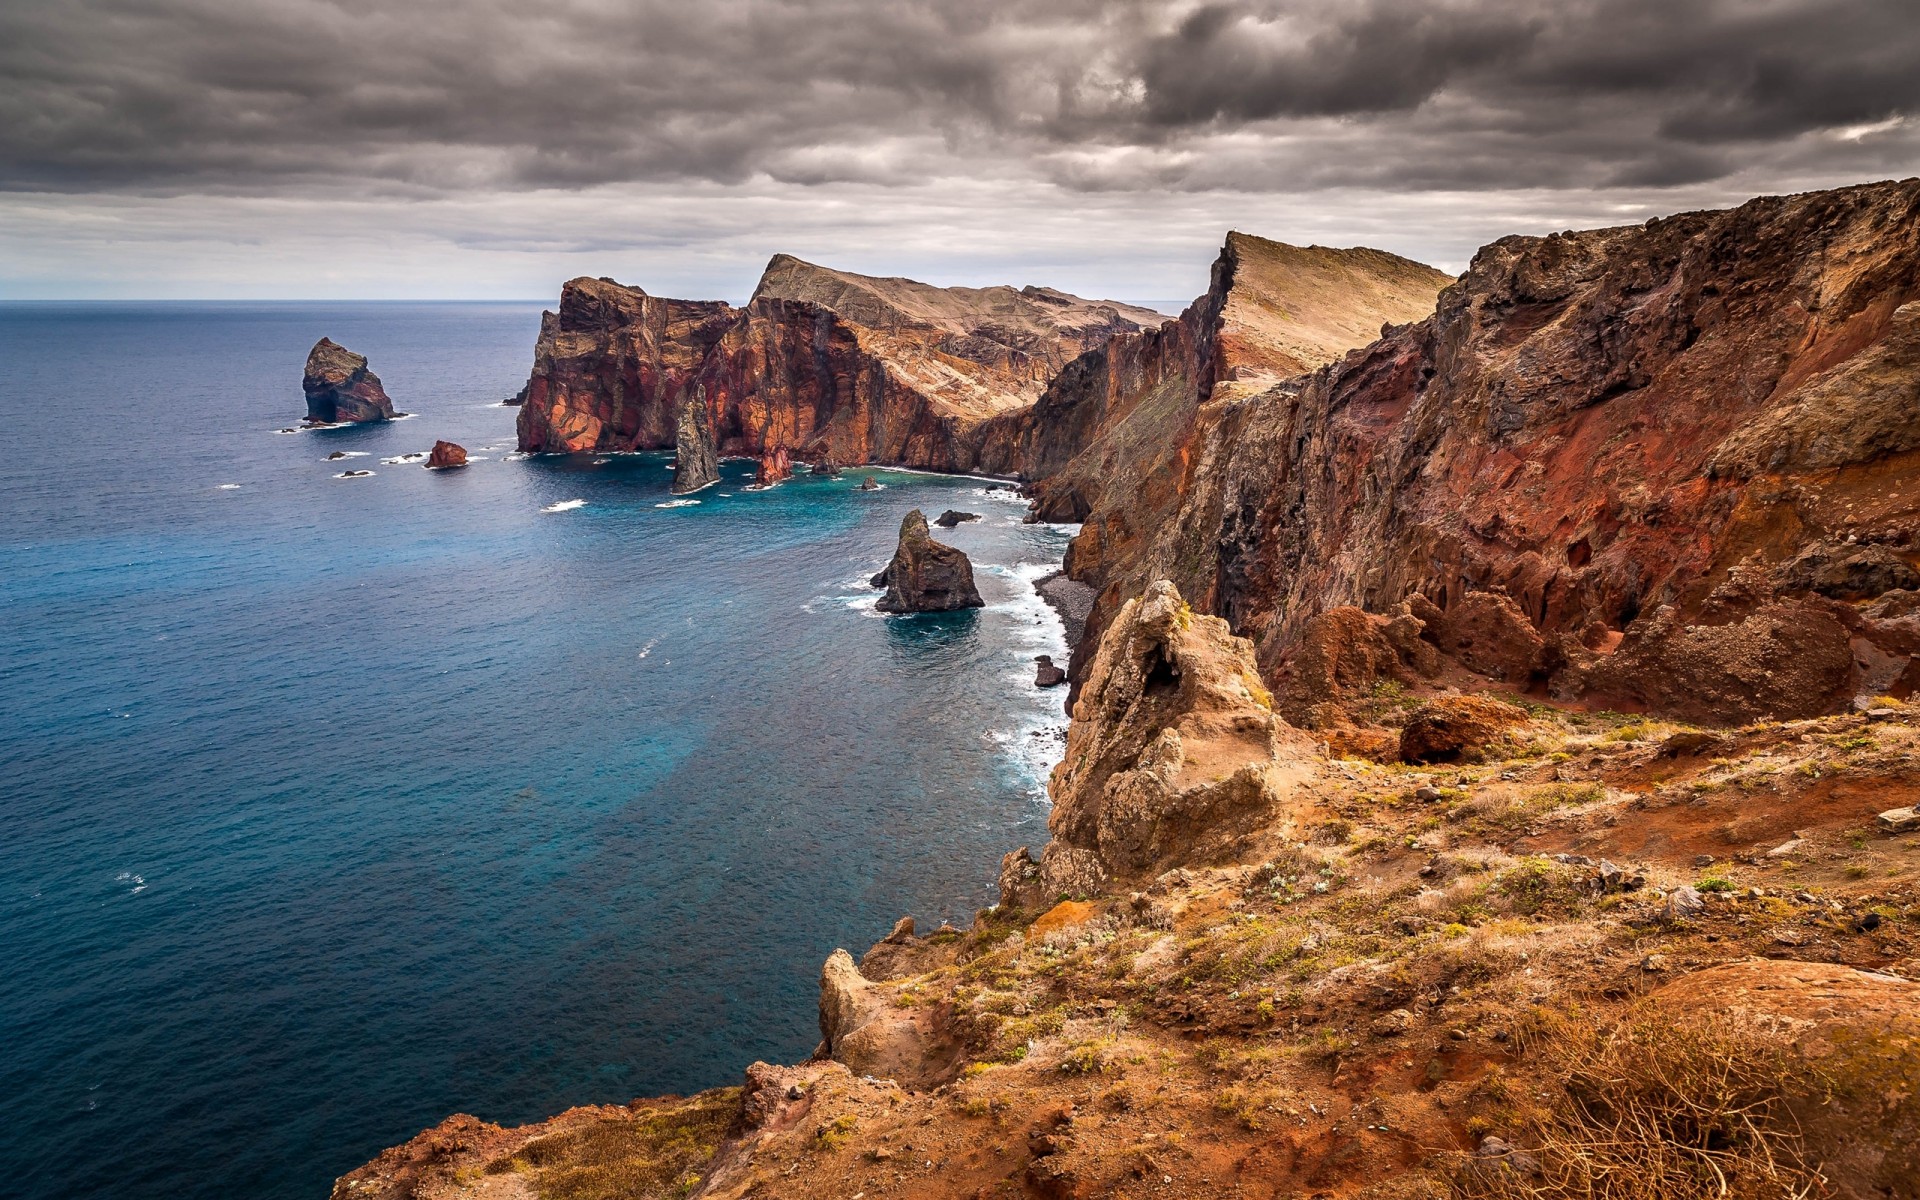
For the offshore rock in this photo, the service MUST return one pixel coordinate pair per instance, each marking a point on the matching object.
(1173, 758)
(953, 517)
(340, 388)
(696, 465)
(925, 575)
(832, 365)
(1654, 467)
(775, 465)
(1045, 674)
(446, 454)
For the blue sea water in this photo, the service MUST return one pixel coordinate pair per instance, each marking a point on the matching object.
(329, 807)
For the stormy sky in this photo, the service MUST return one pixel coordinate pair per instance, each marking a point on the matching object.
(492, 148)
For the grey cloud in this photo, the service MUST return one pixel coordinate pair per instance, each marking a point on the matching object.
(438, 97)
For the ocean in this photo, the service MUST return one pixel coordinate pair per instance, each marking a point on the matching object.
(332, 806)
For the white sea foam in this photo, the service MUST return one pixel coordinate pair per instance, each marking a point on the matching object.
(518, 456)
(354, 454)
(354, 475)
(648, 648)
(681, 503)
(397, 459)
(227, 487)
(564, 506)
(601, 462)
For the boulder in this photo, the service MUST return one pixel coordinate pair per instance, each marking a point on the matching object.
(340, 388)
(869, 484)
(925, 575)
(1047, 675)
(862, 1027)
(953, 517)
(1453, 728)
(446, 454)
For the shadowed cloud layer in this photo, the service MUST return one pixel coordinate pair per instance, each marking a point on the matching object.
(434, 99)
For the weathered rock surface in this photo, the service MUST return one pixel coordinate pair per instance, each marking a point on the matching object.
(862, 1027)
(1452, 728)
(925, 575)
(340, 388)
(446, 454)
(1652, 467)
(1046, 674)
(1174, 755)
(831, 365)
(775, 465)
(695, 462)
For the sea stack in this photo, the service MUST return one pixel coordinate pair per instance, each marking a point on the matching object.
(695, 462)
(775, 465)
(447, 454)
(340, 388)
(926, 576)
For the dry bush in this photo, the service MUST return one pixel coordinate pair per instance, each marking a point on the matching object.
(1648, 1108)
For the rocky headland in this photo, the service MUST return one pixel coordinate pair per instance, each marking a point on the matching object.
(925, 575)
(1491, 770)
(340, 389)
(830, 365)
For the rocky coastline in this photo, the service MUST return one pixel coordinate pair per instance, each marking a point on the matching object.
(1493, 706)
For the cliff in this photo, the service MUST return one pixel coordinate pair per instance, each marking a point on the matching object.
(829, 364)
(1662, 467)
(1115, 417)
(1357, 884)
(339, 387)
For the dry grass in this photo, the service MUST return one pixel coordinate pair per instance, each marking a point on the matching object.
(1648, 1108)
(652, 1155)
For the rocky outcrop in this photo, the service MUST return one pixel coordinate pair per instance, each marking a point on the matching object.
(695, 462)
(1045, 673)
(611, 367)
(340, 388)
(863, 1028)
(775, 465)
(446, 454)
(1174, 757)
(834, 366)
(1114, 419)
(1456, 728)
(954, 517)
(925, 575)
(1607, 465)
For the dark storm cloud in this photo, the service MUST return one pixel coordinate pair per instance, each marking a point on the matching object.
(438, 97)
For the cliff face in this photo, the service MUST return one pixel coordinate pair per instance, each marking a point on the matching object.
(610, 365)
(827, 363)
(1115, 418)
(1665, 462)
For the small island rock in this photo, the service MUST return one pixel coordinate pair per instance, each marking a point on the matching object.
(926, 576)
(953, 516)
(1047, 675)
(447, 454)
(869, 484)
(340, 388)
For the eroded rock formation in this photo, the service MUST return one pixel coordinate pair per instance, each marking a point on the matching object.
(339, 387)
(1174, 755)
(696, 464)
(446, 454)
(775, 465)
(925, 575)
(1641, 466)
(833, 366)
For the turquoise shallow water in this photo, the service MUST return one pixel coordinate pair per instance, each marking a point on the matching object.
(331, 806)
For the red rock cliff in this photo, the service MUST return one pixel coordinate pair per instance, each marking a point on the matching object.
(829, 363)
(1673, 466)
